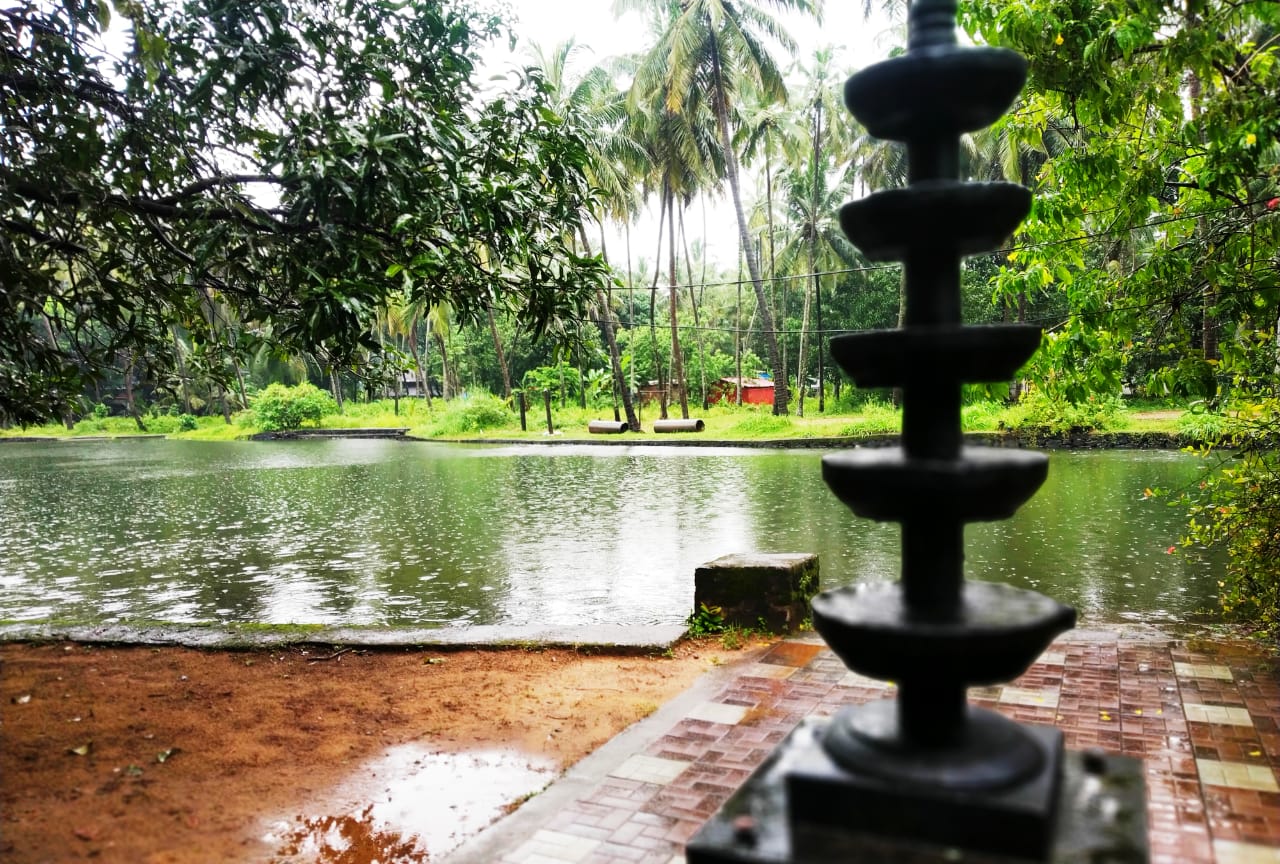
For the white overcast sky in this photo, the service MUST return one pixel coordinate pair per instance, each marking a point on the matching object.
(592, 23)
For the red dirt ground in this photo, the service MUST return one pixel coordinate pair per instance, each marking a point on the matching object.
(177, 756)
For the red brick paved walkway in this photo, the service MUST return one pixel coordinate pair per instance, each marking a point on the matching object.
(1205, 717)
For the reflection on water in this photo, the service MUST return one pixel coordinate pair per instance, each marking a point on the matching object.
(383, 532)
(425, 804)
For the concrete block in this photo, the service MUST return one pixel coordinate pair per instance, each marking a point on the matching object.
(752, 588)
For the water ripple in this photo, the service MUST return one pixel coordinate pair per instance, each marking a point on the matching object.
(375, 532)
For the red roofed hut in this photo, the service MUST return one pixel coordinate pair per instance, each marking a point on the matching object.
(755, 391)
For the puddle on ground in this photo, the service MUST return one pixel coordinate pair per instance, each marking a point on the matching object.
(411, 805)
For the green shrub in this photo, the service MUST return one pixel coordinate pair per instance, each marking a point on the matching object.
(1199, 424)
(105, 426)
(473, 414)
(707, 621)
(278, 408)
(982, 416)
(186, 423)
(89, 426)
(1234, 508)
(853, 399)
(1037, 411)
(162, 424)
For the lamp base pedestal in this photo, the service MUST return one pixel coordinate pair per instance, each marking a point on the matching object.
(800, 807)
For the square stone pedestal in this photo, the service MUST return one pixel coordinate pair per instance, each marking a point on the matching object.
(750, 589)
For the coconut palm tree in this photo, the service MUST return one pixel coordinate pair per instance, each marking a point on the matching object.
(683, 159)
(403, 319)
(813, 242)
(706, 50)
(593, 100)
(768, 128)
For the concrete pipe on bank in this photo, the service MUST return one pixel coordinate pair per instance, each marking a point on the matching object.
(678, 425)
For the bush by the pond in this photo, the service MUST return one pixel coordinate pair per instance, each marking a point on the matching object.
(1234, 508)
(475, 413)
(1199, 424)
(278, 408)
(1038, 411)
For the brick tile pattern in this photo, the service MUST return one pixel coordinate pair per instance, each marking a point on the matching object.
(1205, 718)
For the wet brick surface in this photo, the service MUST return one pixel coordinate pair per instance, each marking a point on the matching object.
(1203, 717)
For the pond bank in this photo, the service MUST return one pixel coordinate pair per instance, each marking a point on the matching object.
(611, 639)
(1047, 440)
(354, 432)
(1079, 440)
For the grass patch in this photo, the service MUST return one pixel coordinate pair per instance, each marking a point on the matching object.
(983, 416)
(873, 418)
(760, 425)
(481, 417)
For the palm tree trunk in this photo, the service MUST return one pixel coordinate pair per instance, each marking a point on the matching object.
(446, 373)
(336, 385)
(222, 392)
(235, 365)
(781, 397)
(737, 332)
(693, 302)
(604, 320)
(222, 398)
(817, 281)
(677, 357)
(778, 304)
(417, 361)
(130, 403)
(502, 358)
(653, 297)
(67, 419)
(631, 304)
(182, 370)
(426, 365)
(801, 376)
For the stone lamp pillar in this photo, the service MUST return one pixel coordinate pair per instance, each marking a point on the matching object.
(926, 776)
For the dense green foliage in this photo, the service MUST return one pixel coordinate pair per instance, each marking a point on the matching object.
(269, 173)
(278, 408)
(1237, 507)
(476, 413)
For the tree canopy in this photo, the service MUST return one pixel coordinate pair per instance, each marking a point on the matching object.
(1157, 132)
(264, 173)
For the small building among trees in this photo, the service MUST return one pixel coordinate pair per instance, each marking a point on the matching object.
(755, 391)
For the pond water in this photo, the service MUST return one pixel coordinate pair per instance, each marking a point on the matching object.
(393, 533)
